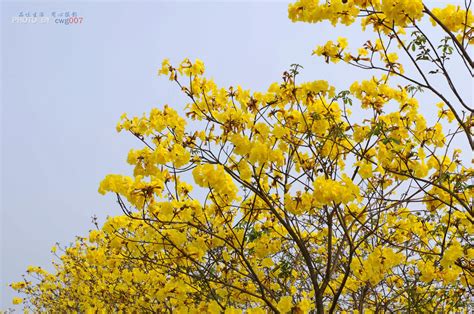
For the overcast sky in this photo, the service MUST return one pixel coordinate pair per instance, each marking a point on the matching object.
(65, 87)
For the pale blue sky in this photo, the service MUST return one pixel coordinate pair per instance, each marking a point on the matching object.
(65, 87)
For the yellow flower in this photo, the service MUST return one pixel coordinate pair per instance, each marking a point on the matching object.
(285, 304)
(165, 66)
(17, 300)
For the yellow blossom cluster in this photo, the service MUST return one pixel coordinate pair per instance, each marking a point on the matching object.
(454, 18)
(399, 12)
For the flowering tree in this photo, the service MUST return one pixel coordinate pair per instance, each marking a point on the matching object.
(294, 205)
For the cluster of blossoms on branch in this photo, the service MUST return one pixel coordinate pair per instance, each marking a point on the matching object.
(286, 201)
